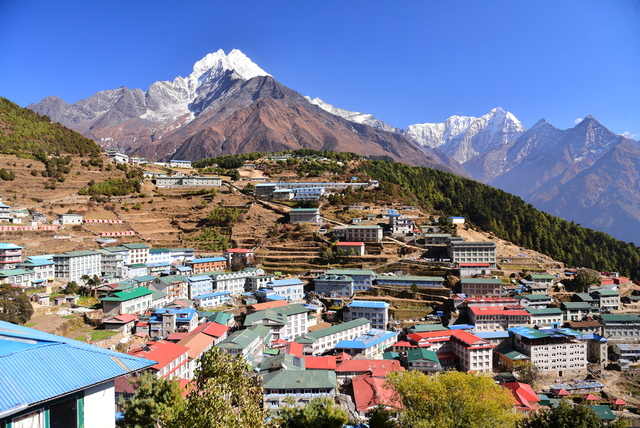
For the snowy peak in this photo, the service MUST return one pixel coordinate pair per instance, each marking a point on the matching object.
(352, 116)
(218, 63)
(465, 137)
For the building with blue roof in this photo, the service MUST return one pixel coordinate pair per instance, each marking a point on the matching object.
(211, 300)
(165, 321)
(557, 351)
(199, 285)
(10, 255)
(371, 344)
(376, 312)
(292, 290)
(43, 270)
(50, 381)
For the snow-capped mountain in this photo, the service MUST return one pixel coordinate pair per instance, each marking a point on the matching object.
(227, 104)
(464, 137)
(353, 116)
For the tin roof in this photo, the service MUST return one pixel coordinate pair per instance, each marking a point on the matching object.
(25, 354)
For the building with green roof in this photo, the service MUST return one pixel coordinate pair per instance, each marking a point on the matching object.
(285, 322)
(546, 317)
(621, 326)
(132, 301)
(301, 385)
(423, 360)
(247, 342)
(319, 341)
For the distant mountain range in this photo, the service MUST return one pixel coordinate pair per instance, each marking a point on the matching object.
(230, 105)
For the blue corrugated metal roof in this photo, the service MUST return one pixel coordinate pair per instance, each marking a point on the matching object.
(37, 366)
(368, 304)
(367, 340)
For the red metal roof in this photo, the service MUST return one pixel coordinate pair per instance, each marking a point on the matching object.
(238, 250)
(499, 310)
(321, 363)
(370, 391)
(474, 264)
(126, 317)
(161, 351)
(294, 348)
(375, 367)
(524, 395)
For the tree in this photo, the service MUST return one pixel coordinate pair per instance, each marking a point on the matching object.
(156, 401)
(15, 306)
(71, 288)
(584, 278)
(224, 392)
(452, 399)
(527, 372)
(380, 417)
(567, 416)
(319, 413)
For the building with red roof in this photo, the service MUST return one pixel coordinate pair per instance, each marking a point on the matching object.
(172, 359)
(244, 255)
(370, 391)
(526, 398)
(492, 318)
(267, 305)
(349, 369)
(328, 362)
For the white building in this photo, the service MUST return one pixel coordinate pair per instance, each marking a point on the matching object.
(552, 350)
(291, 290)
(285, 322)
(376, 312)
(473, 252)
(363, 233)
(319, 341)
(65, 219)
(72, 265)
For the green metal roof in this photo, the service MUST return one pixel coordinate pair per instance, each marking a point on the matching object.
(536, 297)
(311, 337)
(620, 317)
(412, 278)
(541, 276)
(167, 280)
(349, 272)
(512, 355)
(424, 328)
(606, 293)
(604, 412)
(123, 296)
(421, 354)
(544, 311)
(297, 379)
(240, 339)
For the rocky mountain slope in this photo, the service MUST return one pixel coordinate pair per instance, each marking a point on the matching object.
(226, 105)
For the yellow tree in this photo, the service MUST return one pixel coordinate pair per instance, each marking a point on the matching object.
(453, 400)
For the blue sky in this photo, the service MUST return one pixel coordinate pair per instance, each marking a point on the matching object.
(405, 62)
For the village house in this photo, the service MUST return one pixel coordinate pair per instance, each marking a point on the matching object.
(175, 286)
(545, 317)
(302, 385)
(72, 265)
(10, 255)
(212, 300)
(319, 341)
(481, 287)
(20, 277)
(354, 367)
(245, 342)
(243, 255)
(473, 252)
(208, 264)
(165, 321)
(552, 350)
(68, 219)
(376, 312)
(172, 359)
(621, 327)
(82, 393)
(491, 318)
(409, 281)
(292, 290)
(578, 311)
(608, 300)
(285, 322)
(199, 285)
(363, 233)
(133, 301)
(371, 344)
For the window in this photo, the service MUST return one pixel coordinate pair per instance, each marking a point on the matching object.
(32, 420)
(64, 414)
